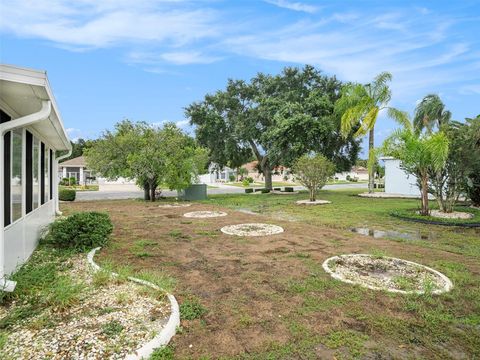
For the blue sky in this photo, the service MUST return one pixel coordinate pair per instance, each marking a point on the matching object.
(146, 60)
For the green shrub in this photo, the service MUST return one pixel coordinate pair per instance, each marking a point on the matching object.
(245, 182)
(72, 181)
(265, 191)
(67, 194)
(250, 180)
(258, 189)
(231, 178)
(248, 191)
(288, 189)
(277, 189)
(80, 231)
(64, 182)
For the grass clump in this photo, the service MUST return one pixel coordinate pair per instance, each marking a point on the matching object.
(80, 232)
(191, 309)
(64, 293)
(163, 353)
(112, 328)
(350, 339)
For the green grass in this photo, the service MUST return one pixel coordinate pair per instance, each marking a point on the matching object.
(112, 328)
(191, 309)
(348, 211)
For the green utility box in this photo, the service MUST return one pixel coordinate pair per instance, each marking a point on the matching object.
(194, 192)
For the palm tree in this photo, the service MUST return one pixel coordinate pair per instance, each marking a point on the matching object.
(359, 106)
(430, 112)
(420, 154)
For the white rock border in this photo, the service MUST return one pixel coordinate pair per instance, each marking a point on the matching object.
(174, 205)
(316, 202)
(447, 288)
(203, 214)
(234, 229)
(453, 215)
(276, 192)
(167, 332)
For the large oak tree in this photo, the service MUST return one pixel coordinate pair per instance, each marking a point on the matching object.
(278, 118)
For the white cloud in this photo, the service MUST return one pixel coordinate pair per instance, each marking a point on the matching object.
(183, 123)
(174, 57)
(295, 6)
(94, 24)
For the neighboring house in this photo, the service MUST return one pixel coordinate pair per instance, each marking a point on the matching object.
(358, 172)
(31, 131)
(397, 181)
(76, 168)
(279, 173)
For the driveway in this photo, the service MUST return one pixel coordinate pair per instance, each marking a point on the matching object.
(128, 192)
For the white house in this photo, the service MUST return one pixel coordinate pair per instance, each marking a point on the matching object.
(31, 131)
(397, 181)
(76, 168)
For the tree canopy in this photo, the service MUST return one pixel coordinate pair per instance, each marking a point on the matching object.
(313, 172)
(359, 106)
(152, 155)
(277, 118)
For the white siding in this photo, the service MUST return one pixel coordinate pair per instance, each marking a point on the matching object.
(397, 181)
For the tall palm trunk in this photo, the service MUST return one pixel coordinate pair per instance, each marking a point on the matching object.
(424, 182)
(371, 160)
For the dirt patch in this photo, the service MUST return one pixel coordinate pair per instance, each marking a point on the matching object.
(267, 293)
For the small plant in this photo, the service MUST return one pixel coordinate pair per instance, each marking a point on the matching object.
(163, 353)
(250, 179)
(191, 309)
(64, 293)
(122, 298)
(248, 191)
(277, 189)
(231, 178)
(245, 182)
(81, 231)
(404, 283)
(101, 278)
(378, 254)
(265, 191)
(67, 194)
(288, 189)
(112, 328)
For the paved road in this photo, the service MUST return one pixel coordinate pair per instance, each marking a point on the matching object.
(221, 189)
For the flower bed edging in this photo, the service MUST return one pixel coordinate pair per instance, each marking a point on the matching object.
(436, 222)
(204, 214)
(167, 332)
(448, 283)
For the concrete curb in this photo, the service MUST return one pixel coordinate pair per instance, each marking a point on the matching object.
(168, 331)
(448, 283)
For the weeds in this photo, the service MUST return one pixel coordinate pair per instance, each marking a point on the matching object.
(191, 309)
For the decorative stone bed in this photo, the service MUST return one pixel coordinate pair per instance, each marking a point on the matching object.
(174, 205)
(115, 320)
(316, 202)
(452, 215)
(387, 273)
(205, 214)
(252, 229)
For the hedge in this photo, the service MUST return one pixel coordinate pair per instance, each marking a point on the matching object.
(67, 194)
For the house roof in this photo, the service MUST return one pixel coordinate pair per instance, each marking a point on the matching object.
(22, 93)
(75, 162)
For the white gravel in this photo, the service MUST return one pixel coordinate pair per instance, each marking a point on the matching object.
(174, 205)
(204, 214)
(252, 229)
(316, 202)
(79, 332)
(452, 215)
(386, 273)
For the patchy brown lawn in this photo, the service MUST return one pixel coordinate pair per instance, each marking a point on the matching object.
(268, 297)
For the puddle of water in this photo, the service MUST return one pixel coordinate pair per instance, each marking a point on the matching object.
(394, 234)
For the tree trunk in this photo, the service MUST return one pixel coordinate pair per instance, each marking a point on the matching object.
(371, 161)
(312, 195)
(146, 191)
(153, 187)
(424, 181)
(267, 172)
